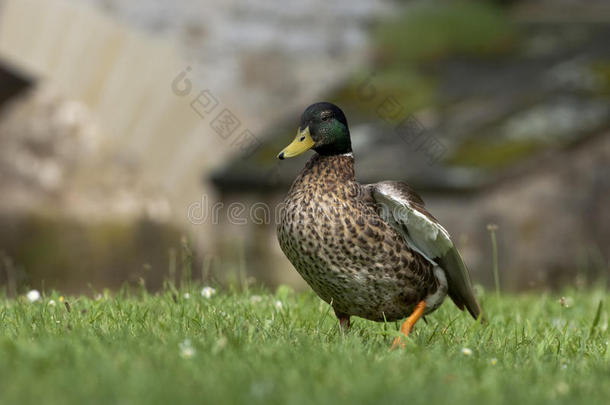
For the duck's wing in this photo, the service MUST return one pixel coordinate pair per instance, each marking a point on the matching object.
(401, 207)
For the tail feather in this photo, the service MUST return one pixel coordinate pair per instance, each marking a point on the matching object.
(460, 287)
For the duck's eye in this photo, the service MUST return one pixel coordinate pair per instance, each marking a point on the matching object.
(325, 117)
(301, 139)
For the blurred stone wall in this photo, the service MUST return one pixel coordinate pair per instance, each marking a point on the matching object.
(118, 128)
(552, 217)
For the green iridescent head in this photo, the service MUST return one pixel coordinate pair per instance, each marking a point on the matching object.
(324, 128)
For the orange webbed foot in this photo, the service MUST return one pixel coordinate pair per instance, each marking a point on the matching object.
(407, 325)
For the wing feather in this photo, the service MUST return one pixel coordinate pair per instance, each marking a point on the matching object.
(400, 206)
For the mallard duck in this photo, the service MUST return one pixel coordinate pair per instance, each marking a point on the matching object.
(369, 250)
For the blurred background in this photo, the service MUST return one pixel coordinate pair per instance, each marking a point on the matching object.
(138, 138)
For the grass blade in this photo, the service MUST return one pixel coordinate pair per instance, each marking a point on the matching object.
(598, 314)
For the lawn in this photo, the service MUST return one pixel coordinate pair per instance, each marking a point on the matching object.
(180, 346)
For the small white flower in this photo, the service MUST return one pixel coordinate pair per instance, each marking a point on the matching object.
(51, 303)
(256, 299)
(219, 345)
(33, 295)
(186, 349)
(494, 361)
(188, 352)
(466, 351)
(278, 305)
(207, 292)
(187, 296)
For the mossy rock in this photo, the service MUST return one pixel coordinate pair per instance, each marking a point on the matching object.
(487, 153)
(366, 91)
(432, 31)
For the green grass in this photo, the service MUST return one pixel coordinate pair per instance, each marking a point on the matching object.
(133, 348)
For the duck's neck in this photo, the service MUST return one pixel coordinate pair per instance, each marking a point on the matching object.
(335, 168)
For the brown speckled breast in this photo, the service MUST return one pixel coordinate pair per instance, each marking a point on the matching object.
(330, 231)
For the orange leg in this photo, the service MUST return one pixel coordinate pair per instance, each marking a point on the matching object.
(408, 325)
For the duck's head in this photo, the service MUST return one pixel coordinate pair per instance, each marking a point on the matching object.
(324, 128)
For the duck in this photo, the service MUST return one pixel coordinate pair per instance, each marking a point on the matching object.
(369, 250)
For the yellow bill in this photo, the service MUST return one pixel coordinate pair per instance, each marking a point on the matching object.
(302, 143)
